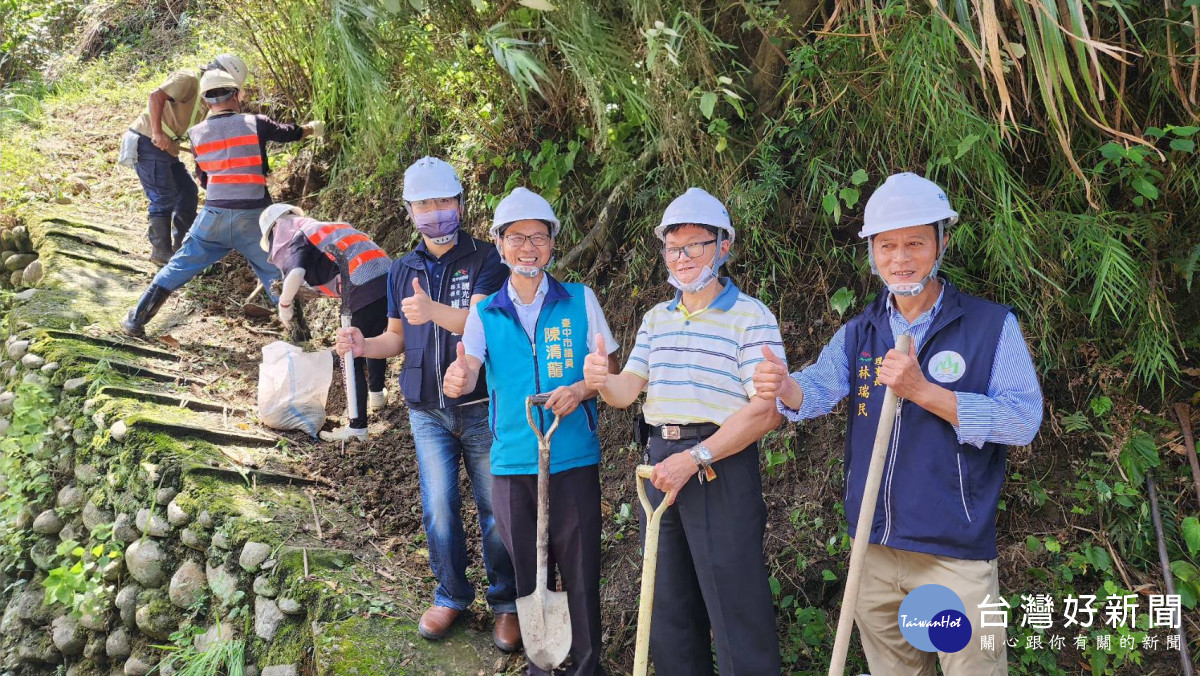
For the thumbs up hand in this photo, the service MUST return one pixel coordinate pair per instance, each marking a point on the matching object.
(454, 383)
(595, 366)
(417, 308)
(771, 378)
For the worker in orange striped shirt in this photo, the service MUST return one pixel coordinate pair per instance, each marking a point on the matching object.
(308, 251)
(231, 162)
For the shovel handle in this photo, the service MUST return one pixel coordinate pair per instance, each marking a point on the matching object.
(351, 378)
(641, 651)
(866, 515)
(540, 400)
(543, 504)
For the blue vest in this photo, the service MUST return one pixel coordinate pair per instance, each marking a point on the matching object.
(428, 348)
(518, 368)
(937, 496)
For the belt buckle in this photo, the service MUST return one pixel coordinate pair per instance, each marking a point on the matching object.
(670, 432)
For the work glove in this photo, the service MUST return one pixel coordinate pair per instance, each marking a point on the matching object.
(286, 312)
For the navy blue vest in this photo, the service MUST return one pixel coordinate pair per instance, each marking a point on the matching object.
(937, 496)
(428, 348)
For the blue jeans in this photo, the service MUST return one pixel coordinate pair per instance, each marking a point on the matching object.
(167, 184)
(215, 233)
(442, 437)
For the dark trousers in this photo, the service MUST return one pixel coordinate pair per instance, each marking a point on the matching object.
(372, 320)
(574, 549)
(711, 573)
(168, 186)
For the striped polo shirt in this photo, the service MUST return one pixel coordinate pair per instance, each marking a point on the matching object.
(699, 367)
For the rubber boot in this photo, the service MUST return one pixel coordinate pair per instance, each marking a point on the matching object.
(134, 323)
(182, 226)
(159, 234)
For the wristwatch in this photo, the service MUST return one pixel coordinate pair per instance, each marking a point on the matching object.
(703, 459)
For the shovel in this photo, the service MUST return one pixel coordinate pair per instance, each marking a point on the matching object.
(544, 617)
(348, 370)
(866, 514)
(641, 653)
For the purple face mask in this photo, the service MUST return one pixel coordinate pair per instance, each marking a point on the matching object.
(437, 224)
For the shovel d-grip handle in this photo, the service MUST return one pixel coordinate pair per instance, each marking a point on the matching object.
(543, 512)
(641, 651)
(866, 514)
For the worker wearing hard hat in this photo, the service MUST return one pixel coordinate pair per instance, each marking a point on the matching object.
(429, 292)
(967, 390)
(533, 335)
(152, 144)
(694, 358)
(231, 161)
(323, 255)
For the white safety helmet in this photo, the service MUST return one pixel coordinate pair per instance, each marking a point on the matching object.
(266, 221)
(214, 80)
(523, 204)
(697, 207)
(430, 178)
(903, 201)
(233, 64)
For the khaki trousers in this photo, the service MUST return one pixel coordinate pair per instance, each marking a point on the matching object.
(888, 576)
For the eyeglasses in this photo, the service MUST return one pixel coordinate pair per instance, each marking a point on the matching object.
(693, 250)
(517, 241)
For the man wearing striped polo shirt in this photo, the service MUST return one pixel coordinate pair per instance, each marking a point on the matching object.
(695, 357)
(967, 390)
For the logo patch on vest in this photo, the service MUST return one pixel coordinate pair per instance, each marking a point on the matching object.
(947, 366)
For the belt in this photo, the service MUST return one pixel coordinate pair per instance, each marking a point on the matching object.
(692, 431)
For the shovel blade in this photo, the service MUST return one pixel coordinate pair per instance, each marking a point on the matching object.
(545, 627)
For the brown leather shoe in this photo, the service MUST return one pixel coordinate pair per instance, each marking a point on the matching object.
(507, 632)
(436, 622)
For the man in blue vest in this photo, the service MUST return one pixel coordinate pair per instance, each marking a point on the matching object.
(967, 390)
(429, 292)
(231, 160)
(314, 252)
(533, 336)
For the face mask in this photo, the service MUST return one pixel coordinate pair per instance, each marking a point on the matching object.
(707, 275)
(529, 271)
(440, 225)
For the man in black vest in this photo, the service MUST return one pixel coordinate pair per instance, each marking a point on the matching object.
(967, 390)
(430, 292)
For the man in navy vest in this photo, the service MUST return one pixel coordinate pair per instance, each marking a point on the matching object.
(533, 336)
(429, 292)
(967, 390)
(231, 160)
(309, 251)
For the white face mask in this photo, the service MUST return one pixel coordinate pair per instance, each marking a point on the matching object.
(706, 277)
(528, 271)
